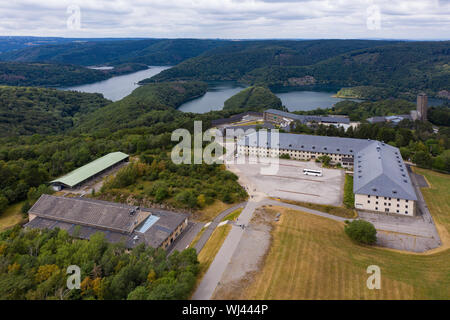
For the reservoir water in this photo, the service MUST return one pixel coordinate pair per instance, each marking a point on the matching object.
(294, 100)
(218, 93)
(118, 87)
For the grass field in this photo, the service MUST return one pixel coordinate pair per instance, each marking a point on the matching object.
(336, 211)
(211, 211)
(311, 258)
(11, 216)
(234, 215)
(437, 198)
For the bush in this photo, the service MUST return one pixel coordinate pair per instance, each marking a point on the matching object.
(349, 196)
(3, 203)
(361, 231)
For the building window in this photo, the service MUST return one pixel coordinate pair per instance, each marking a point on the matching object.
(376, 202)
(376, 208)
(368, 201)
(406, 206)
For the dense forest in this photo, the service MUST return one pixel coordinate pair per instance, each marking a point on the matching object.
(58, 75)
(88, 53)
(253, 98)
(399, 68)
(33, 266)
(26, 110)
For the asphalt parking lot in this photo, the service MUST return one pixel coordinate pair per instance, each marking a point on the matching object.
(290, 183)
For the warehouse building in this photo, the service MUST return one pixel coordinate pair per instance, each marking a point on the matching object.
(83, 217)
(89, 171)
(381, 181)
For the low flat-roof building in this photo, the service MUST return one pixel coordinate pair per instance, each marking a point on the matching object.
(89, 171)
(381, 180)
(82, 217)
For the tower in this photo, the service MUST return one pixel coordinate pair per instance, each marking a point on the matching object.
(422, 105)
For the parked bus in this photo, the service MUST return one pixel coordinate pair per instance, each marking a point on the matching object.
(311, 172)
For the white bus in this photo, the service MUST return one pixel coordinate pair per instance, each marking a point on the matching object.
(311, 172)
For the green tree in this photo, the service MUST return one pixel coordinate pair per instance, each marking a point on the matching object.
(361, 231)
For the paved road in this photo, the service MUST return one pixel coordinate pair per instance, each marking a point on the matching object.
(422, 206)
(307, 210)
(213, 225)
(212, 277)
(186, 237)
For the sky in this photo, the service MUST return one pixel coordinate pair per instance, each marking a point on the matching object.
(228, 19)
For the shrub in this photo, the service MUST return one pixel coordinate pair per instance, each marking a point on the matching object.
(361, 231)
(349, 196)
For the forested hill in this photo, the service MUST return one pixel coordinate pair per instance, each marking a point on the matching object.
(58, 75)
(148, 105)
(149, 52)
(26, 111)
(403, 66)
(233, 61)
(253, 98)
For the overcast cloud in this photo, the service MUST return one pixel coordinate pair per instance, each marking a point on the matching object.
(400, 19)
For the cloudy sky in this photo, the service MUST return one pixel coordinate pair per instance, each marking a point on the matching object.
(243, 19)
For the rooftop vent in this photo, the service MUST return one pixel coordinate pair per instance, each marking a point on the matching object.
(405, 181)
(394, 191)
(374, 189)
(313, 147)
(132, 211)
(338, 149)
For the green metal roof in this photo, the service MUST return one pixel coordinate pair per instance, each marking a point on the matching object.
(85, 172)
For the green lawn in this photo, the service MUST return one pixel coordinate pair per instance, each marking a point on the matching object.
(311, 257)
(437, 198)
(234, 215)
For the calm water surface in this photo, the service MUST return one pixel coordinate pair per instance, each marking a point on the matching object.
(118, 87)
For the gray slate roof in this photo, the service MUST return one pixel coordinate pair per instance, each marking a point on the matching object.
(112, 219)
(378, 168)
(309, 118)
(303, 142)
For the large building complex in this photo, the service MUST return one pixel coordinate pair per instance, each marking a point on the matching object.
(381, 180)
(89, 171)
(83, 217)
(285, 118)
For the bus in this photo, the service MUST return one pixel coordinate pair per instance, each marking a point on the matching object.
(311, 172)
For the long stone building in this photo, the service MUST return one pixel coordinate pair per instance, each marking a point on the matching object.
(82, 217)
(381, 180)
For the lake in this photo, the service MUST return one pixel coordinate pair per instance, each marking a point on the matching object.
(118, 87)
(294, 100)
(218, 93)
